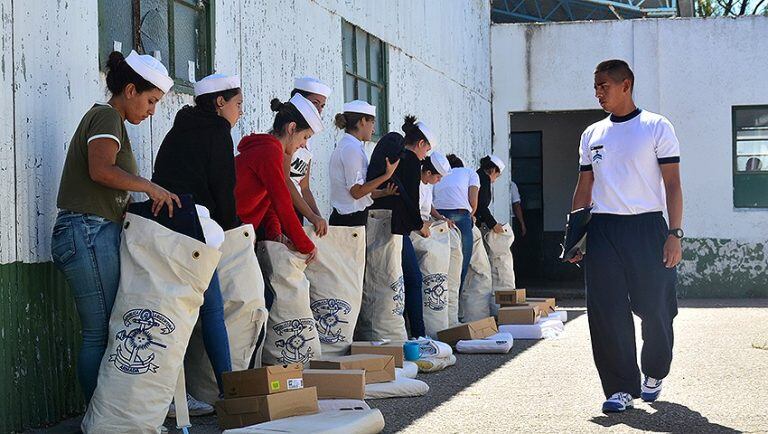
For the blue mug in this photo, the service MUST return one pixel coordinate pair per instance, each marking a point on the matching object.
(411, 350)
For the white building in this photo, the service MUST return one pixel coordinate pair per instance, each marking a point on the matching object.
(427, 58)
(708, 76)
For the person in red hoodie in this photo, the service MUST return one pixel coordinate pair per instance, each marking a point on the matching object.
(261, 194)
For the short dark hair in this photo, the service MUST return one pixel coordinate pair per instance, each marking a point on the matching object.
(454, 161)
(301, 92)
(618, 70)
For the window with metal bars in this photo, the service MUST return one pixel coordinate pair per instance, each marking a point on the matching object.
(365, 71)
(178, 32)
(750, 156)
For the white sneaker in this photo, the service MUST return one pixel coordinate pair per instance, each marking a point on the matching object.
(196, 408)
(651, 389)
(618, 402)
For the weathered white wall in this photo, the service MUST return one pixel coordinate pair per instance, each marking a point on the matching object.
(439, 70)
(690, 70)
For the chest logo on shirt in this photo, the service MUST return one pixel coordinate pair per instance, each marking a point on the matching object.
(298, 168)
(597, 156)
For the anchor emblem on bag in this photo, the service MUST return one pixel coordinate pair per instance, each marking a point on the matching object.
(434, 291)
(327, 313)
(292, 345)
(134, 355)
(399, 298)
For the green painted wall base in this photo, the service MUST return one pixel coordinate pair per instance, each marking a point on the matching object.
(723, 268)
(39, 336)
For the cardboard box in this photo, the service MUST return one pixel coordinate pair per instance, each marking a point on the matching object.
(525, 314)
(479, 329)
(394, 349)
(241, 412)
(546, 305)
(262, 381)
(378, 368)
(336, 384)
(510, 297)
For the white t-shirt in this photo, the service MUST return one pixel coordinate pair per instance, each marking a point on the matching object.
(625, 159)
(425, 200)
(348, 165)
(452, 192)
(514, 196)
(300, 165)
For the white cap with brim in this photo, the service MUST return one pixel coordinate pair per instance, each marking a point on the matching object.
(150, 69)
(440, 162)
(216, 83)
(312, 85)
(427, 133)
(497, 161)
(359, 106)
(308, 111)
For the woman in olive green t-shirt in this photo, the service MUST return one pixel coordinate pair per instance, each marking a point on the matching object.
(99, 172)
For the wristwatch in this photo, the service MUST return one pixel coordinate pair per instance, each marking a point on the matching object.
(677, 233)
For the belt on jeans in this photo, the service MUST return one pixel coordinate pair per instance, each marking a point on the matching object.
(460, 211)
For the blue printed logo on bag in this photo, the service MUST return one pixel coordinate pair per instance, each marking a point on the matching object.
(328, 315)
(295, 342)
(434, 291)
(136, 352)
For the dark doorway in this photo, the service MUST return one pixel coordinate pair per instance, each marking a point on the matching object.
(544, 157)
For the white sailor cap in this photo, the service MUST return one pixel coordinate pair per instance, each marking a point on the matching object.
(440, 162)
(312, 85)
(427, 133)
(359, 106)
(308, 111)
(150, 69)
(498, 162)
(216, 83)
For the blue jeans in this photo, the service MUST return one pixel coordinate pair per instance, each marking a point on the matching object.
(414, 307)
(215, 337)
(463, 220)
(86, 248)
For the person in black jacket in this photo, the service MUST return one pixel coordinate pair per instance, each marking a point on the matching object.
(409, 150)
(197, 158)
(490, 169)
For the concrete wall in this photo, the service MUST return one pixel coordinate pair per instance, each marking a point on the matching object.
(439, 70)
(691, 70)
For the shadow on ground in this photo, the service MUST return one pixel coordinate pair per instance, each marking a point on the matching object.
(667, 417)
(399, 413)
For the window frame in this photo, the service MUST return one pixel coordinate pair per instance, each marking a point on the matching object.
(205, 46)
(747, 185)
(382, 113)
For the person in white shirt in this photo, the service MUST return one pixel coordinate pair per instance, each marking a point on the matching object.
(351, 195)
(433, 168)
(629, 174)
(455, 197)
(298, 166)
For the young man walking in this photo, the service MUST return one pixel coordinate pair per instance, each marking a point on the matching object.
(630, 174)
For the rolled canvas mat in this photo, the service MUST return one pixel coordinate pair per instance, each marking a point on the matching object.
(543, 329)
(291, 335)
(433, 254)
(454, 277)
(500, 343)
(336, 285)
(163, 275)
(245, 314)
(434, 364)
(400, 388)
(327, 422)
(477, 296)
(381, 314)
